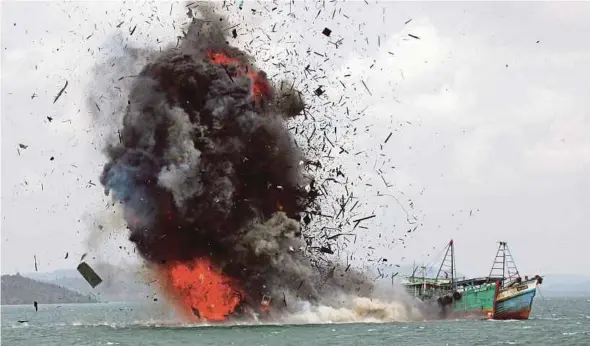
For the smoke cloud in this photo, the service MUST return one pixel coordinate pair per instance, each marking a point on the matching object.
(214, 187)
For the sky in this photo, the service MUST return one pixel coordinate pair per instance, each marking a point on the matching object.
(486, 105)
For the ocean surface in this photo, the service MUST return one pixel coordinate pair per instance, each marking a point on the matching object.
(555, 321)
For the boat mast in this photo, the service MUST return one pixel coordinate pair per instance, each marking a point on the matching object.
(504, 262)
(448, 262)
(509, 264)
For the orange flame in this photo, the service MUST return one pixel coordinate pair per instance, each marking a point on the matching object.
(201, 291)
(260, 86)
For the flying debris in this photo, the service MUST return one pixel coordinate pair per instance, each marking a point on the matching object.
(59, 93)
(89, 274)
(216, 193)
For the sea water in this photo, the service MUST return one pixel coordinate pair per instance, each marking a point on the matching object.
(554, 321)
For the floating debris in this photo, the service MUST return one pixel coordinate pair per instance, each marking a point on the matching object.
(327, 32)
(414, 36)
(319, 91)
(23, 146)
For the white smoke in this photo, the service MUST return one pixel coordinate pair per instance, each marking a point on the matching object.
(354, 309)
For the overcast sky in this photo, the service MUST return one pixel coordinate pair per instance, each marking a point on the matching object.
(487, 107)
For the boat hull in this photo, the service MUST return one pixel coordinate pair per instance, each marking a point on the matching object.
(475, 302)
(515, 303)
(468, 301)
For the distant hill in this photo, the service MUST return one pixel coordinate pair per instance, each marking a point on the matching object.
(119, 284)
(566, 285)
(17, 289)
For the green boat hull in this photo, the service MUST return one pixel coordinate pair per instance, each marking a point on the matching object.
(475, 300)
(465, 300)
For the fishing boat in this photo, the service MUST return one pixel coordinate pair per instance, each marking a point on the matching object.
(514, 298)
(453, 297)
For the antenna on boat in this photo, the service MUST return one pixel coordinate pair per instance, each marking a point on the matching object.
(504, 262)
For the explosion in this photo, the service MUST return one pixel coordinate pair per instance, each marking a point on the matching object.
(210, 179)
(203, 289)
(214, 188)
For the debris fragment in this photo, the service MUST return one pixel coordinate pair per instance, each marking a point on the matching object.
(234, 33)
(414, 36)
(327, 32)
(366, 87)
(388, 137)
(50, 119)
(82, 258)
(59, 93)
(23, 146)
(89, 274)
(132, 30)
(67, 254)
(327, 250)
(319, 91)
(196, 312)
(408, 21)
(36, 305)
(357, 221)
(35, 259)
(23, 321)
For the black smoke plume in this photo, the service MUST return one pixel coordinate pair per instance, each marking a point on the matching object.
(206, 167)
